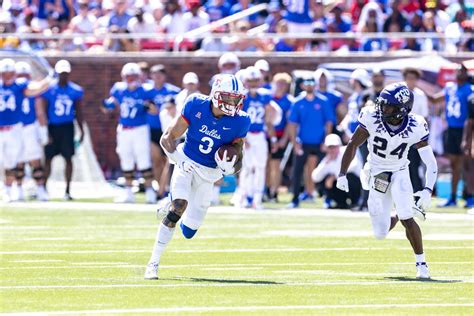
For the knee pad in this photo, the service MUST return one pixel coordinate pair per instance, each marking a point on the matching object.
(147, 174)
(10, 172)
(173, 217)
(38, 173)
(188, 233)
(128, 175)
(20, 172)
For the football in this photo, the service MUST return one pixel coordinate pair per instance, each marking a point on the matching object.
(231, 152)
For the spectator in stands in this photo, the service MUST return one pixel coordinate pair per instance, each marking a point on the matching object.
(274, 15)
(454, 31)
(172, 22)
(63, 105)
(372, 25)
(190, 86)
(85, 21)
(319, 15)
(429, 26)
(119, 44)
(160, 90)
(416, 23)
(195, 18)
(456, 97)
(309, 121)
(356, 9)
(299, 17)
(284, 44)
(119, 16)
(396, 21)
(280, 88)
(420, 106)
(142, 22)
(212, 44)
(239, 43)
(242, 5)
(217, 9)
(338, 24)
(327, 171)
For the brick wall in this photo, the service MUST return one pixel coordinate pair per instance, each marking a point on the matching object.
(96, 74)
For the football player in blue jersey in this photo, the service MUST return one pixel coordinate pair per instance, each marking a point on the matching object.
(325, 86)
(35, 136)
(263, 113)
(63, 104)
(209, 123)
(159, 91)
(280, 87)
(455, 95)
(12, 93)
(134, 102)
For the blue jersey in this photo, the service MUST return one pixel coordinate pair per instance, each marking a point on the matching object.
(11, 98)
(28, 115)
(158, 95)
(456, 103)
(284, 103)
(311, 117)
(132, 104)
(255, 108)
(61, 102)
(216, 12)
(334, 98)
(206, 133)
(298, 11)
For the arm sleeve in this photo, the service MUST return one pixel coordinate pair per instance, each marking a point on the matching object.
(427, 156)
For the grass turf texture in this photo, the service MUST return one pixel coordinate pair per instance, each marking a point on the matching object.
(265, 263)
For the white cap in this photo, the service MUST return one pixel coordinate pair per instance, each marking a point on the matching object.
(23, 68)
(228, 58)
(263, 65)
(252, 73)
(62, 66)
(362, 76)
(130, 69)
(332, 140)
(190, 77)
(7, 65)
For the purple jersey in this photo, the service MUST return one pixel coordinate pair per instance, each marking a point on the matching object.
(255, 108)
(11, 99)
(207, 133)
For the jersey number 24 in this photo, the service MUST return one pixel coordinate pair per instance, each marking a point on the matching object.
(380, 146)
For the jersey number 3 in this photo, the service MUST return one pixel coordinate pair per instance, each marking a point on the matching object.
(380, 145)
(209, 143)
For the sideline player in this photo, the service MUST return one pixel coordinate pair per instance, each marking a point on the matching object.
(210, 122)
(63, 104)
(12, 93)
(390, 130)
(133, 133)
(35, 136)
(263, 113)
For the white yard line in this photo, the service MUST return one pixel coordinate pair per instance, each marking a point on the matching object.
(241, 213)
(36, 261)
(199, 309)
(230, 283)
(224, 266)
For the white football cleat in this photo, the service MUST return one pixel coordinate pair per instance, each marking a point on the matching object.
(150, 196)
(151, 272)
(164, 206)
(42, 194)
(422, 271)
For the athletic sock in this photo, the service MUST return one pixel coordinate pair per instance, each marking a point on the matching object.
(420, 258)
(453, 197)
(8, 190)
(216, 190)
(163, 237)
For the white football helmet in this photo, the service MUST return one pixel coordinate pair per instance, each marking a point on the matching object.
(131, 73)
(228, 94)
(23, 68)
(7, 65)
(229, 63)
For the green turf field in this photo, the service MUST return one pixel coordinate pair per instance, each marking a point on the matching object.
(75, 258)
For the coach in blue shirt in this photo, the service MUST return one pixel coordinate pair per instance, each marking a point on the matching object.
(309, 122)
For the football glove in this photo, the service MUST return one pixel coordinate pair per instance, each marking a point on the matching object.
(342, 184)
(423, 199)
(227, 167)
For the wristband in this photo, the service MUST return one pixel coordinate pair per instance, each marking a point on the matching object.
(428, 189)
(342, 174)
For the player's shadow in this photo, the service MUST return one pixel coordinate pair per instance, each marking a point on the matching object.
(230, 281)
(405, 279)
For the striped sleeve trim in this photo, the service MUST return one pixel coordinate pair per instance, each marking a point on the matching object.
(425, 138)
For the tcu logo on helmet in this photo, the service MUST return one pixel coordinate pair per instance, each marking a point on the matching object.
(403, 96)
